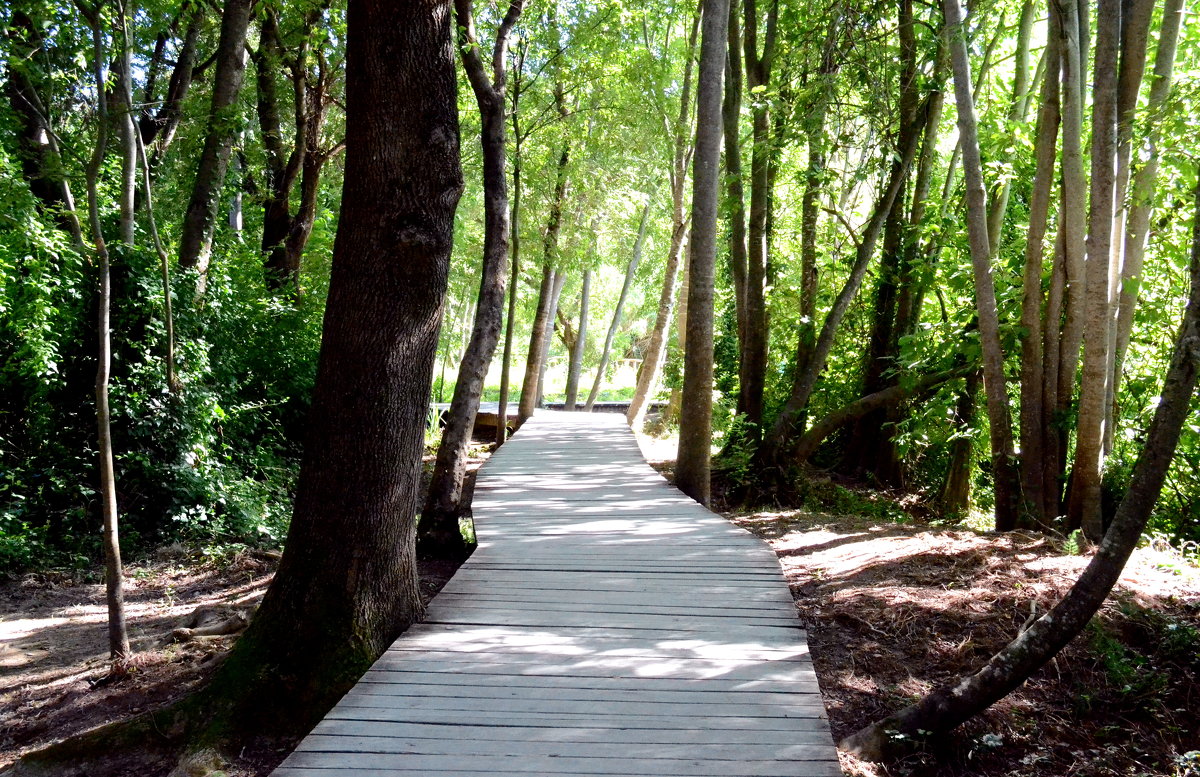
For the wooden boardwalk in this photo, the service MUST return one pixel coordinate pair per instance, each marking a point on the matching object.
(606, 625)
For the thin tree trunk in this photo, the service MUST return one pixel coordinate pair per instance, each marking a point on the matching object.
(579, 346)
(887, 397)
(785, 429)
(735, 199)
(1005, 474)
(1072, 222)
(630, 272)
(951, 704)
(195, 245)
(695, 423)
(954, 496)
(1033, 412)
(158, 130)
(114, 574)
(126, 133)
(556, 289)
(656, 348)
(1016, 114)
(753, 363)
(439, 533)
(1083, 509)
(514, 276)
(1141, 200)
(544, 317)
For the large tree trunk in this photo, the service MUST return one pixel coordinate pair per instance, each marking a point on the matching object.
(579, 346)
(695, 423)
(1005, 474)
(439, 534)
(1083, 509)
(952, 704)
(630, 271)
(195, 244)
(347, 584)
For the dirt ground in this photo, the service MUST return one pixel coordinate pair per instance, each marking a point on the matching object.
(54, 648)
(893, 609)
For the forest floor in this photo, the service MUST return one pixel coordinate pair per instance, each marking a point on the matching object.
(54, 643)
(890, 608)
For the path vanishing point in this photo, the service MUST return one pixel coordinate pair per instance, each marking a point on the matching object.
(606, 625)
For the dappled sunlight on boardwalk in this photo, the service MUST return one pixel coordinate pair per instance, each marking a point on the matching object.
(606, 625)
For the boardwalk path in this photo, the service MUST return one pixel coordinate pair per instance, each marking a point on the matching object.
(606, 625)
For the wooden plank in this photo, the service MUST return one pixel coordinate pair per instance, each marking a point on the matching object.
(485, 735)
(551, 765)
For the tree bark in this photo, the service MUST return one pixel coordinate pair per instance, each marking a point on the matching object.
(1141, 200)
(752, 371)
(347, 583)
(579, 346)
(1083, 510)
(786, 426)
(114, 574)
(954, 496)
(515, 272)
(1033, 411)
(195, 244)
(695, 423)
(952, 704)
(544, 317)
(1005, 474)
(630, 272)
(439, 534)
(735, 198)
(656, 348)
(158, 130)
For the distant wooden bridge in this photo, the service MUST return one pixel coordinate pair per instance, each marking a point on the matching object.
(606, 625)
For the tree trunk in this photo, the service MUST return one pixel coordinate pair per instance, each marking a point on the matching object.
(126, 133)
(514, 277)
(890, 396)
(735, 200)
(695, 423)
(949, 705)
(195, 244)
(752, 371)
(656, 348)
(1083, 509)
(544, 317)
(630, 271)
(438, 533)
(158, 130)
(579, 346)
(1033, 412)
(1141, 200)
(1004, 471)
(114, 574)
(556, 288)
(785, 430)
(347, 584)
(954, 496)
